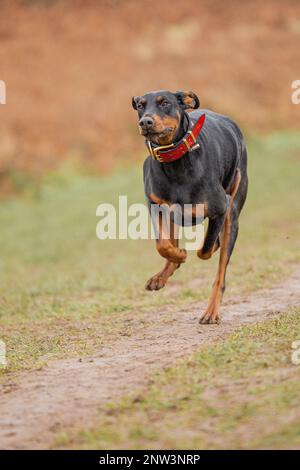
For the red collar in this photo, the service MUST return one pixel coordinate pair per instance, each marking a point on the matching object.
(172, 152)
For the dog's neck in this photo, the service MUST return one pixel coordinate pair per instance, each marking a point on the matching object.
(182, 128)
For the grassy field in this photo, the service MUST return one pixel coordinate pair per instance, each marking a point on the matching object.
(64, 293)
(242, 393)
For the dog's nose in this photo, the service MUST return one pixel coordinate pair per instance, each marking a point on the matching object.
(146, 122)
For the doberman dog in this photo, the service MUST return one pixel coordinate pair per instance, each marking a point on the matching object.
(195, 158)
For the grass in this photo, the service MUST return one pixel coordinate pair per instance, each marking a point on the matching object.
(242, 393)
(63, 292)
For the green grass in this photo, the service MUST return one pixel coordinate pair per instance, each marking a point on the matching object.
(63, 292)
(242, 393)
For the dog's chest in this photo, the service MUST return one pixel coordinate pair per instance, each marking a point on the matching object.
(180, 194)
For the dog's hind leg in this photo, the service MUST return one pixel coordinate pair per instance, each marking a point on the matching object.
(212, 239)
(227, 241)
(215, 224)
(159, 280)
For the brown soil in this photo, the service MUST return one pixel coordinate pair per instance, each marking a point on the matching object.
(66, 393)
(71, 68)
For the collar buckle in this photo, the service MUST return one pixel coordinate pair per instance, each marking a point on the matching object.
(192, 135)
(186, 143)
(154, 151)
(174, 151)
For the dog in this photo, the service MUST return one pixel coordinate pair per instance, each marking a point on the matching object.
(194, 158)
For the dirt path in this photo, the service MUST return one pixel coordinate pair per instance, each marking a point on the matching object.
(67, 392)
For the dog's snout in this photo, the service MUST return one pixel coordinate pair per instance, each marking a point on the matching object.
(146, 122)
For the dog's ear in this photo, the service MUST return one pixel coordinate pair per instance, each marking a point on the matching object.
(134, 102)
(187, 99)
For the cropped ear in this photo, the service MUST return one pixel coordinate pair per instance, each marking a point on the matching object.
(134, 98)
(187, 99)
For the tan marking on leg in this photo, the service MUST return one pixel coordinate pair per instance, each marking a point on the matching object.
(165, 247)
(159, 280)
(235, 186)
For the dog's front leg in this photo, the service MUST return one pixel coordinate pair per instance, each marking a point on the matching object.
(167, 246)
(165, 242)
(159, 280)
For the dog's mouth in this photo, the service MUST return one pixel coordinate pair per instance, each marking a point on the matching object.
(156, 136)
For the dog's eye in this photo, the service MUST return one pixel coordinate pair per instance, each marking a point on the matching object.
(140, 106)
(164, 104)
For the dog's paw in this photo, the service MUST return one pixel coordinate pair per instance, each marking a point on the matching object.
(210, 317)
(155, 283)
(206, 255)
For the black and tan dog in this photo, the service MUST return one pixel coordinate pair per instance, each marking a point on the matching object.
(195, 158)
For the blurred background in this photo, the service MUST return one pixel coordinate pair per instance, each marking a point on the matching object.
(71, 68)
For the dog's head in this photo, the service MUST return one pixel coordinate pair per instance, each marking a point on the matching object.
(160, 113)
